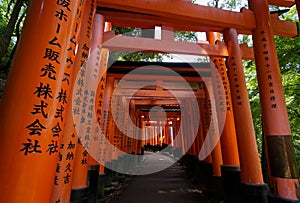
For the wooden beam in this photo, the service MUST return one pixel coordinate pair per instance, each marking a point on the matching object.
(154, 77)
(133, 44)
(283, 28)
(163, 68)
(283, 3)
(155, 93)
(199, 18)
(134, 20)
(156, 102)
(185, 11)
(169, 115)
(122, 19)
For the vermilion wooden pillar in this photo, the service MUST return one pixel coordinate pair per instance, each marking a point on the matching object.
(284, 177)
(199, 139)
(231, 165)
(61, 191)
(213, 134)
(35, 99)
(251, 174)
(224, 108)
(191, 128)
(205, 120)
(80, 174)
(100, 157)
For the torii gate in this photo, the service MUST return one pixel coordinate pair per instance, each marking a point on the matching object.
(37, 145)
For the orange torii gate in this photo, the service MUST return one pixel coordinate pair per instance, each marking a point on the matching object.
(38, 93)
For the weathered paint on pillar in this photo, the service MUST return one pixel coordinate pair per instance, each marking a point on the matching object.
(283, 169)
(224, 107)
(248, 153)
(35, 99)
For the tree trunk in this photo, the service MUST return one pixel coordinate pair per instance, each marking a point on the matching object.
(4, 43)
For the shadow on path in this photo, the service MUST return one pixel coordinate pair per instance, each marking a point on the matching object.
(166, 186)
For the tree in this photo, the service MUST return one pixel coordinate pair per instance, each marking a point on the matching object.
(12, 14)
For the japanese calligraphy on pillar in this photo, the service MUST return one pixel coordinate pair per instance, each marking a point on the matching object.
(44, 92)
(67, 149)
(99, 104)
(236, 81)
(220, 65)
(268, 70)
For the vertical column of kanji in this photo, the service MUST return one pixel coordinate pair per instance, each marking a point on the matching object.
(230, 168)
(251, 174)
(91, 133)
(280, 153)
(31, 130)
(62, 182)
(206, 168)
(99, 109)
(117, 135)
(205, 119)
(224, 110)
(92, 130)
(79, 105)
(213, 132)
(107, 119)
(214, 185)
(119, 120)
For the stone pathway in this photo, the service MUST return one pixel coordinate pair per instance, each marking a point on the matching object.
(165, 186)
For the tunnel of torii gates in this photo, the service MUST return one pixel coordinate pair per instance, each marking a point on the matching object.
(50, 98)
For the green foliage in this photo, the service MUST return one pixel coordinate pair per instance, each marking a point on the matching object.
(12, 15)
(227, 4)
(135, 56)
(183, 36)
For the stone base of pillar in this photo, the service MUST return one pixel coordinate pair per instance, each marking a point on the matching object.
(93, 174)
(206, 172)
(231, 180)
(215, 187)
(101, 185)
(275, 199)
(254, 193)
(79, 195)
(109, 174)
